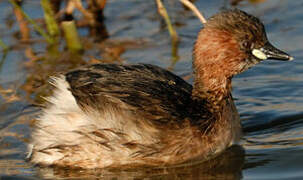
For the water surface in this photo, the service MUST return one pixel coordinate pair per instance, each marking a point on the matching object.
(268, 97)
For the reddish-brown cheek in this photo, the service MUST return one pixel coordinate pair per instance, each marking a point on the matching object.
(218, 52)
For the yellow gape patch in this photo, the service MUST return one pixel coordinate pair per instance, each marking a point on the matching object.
(259, 54)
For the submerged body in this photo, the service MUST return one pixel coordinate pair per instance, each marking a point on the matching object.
(108, 115)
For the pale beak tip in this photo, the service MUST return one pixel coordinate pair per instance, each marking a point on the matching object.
(291, 58)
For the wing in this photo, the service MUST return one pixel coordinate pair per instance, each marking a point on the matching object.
(156, 93)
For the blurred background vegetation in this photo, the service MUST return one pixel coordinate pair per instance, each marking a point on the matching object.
(44, 38)
(64, 48)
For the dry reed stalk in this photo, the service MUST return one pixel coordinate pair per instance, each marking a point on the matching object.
(24, 30)
(96, 4)
(162, 11)
(49, 39)
(173, 33)
(102, 3)
(70, 7)
(72, 4)
(193, 8)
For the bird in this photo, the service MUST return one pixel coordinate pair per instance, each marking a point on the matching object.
(113, 116)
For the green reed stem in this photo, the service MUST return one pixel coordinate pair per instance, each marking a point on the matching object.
(5, 51)
(51, 24)
(3, 45)
(162, 11)
(71, 36)
(35, 25)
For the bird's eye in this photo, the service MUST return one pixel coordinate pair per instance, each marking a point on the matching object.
(245, 45)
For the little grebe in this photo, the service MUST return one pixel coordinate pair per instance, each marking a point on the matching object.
(108, 115)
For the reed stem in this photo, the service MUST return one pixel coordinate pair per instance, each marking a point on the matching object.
(193, 8)
(35, 25)
(71, 36)
(51, 24)
(162, 11)
(3, 45)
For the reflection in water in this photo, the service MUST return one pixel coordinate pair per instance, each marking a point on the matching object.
(228, 165)
(14, 134)
(55, 62)
(236, 2)
(252, 160)
(280, 124)
(269, 97)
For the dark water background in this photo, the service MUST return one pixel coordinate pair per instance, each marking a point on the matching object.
(269, 97)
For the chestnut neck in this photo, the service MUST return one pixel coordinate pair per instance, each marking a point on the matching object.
(217, 57)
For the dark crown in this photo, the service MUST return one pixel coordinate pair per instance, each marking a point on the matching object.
(247, 29)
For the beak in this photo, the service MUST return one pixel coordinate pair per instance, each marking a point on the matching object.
(268, 51)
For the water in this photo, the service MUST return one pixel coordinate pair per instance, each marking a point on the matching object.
(268, 96)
